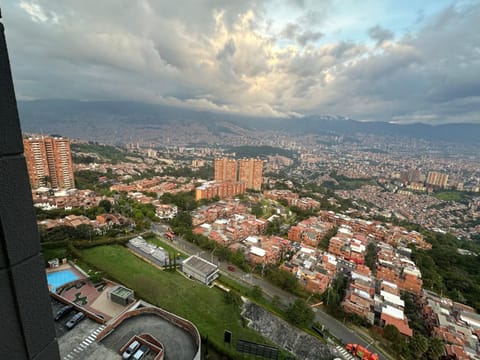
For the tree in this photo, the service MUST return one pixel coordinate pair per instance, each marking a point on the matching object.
(418, 345)
(138, 215)
(371, 256)
(107, 205)
(257, 210)
(325, 242)
(231, 297)
(256, 292)
(283, 279)
(274, 227)
(300, 313)
(435, 348)
(391, 333)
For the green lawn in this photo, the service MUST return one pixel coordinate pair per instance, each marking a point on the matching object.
(205, 307)
(449, 196)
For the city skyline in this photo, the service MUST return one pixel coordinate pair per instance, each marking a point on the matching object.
(367, 61)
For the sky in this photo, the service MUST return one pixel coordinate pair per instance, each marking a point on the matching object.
(390, 60)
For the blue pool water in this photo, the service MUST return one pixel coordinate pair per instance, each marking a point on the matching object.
(58, 278)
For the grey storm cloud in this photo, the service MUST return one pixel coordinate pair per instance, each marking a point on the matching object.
(380, 34)
(295, 32)
(224, 56)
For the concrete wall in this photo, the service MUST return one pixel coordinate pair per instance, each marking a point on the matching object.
(27, 322)
(194, 273)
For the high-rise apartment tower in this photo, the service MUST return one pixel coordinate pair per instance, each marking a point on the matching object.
(225, 169)
(437, 179)
(49, 162)
(251, 171)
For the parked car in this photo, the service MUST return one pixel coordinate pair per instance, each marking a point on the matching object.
(140, 353)
(64, 310)
(231, 268)
(74, 320)
(130, 349)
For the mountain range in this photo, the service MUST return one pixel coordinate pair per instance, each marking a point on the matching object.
(121, 121)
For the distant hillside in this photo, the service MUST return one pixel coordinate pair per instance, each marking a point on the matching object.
(121, 121)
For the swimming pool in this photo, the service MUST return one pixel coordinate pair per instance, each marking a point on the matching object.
(58, 278)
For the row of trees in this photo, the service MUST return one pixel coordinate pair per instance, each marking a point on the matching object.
(417, 347)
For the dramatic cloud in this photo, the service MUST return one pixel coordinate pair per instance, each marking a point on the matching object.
(273, 58)
(380, 34)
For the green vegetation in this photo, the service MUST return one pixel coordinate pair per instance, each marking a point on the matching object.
(261, 151)
(324, 243)
(108, 153)
(141, 213)
(457, 196)
(371, 256)
(334, 295)
(283, 280)
(184, 200)
(417, 347)
(205, 172)
(300, 313)
(302, 214)
(52, 253)
(346, 183)
(413, 314)
(445, 271)
(206, 308)
(88, 180)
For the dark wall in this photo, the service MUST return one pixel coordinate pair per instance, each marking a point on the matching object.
(26, 323)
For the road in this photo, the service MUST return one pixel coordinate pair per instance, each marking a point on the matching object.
(335, 327)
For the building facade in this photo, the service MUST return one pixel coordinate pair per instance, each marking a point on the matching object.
(222, 189)
(251, 172)
(225, 169)
(437, 179)
(49, 162)
(200, 269)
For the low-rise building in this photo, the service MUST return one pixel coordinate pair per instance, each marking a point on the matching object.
(200, 269)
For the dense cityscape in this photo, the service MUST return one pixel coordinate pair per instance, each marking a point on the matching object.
(339, 226)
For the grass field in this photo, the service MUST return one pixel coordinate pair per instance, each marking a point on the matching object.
(450, 196)
(204, 306)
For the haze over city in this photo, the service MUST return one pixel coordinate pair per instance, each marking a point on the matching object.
(367, 60)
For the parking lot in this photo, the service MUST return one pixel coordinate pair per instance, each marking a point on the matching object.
(79, 342)
(178, 344)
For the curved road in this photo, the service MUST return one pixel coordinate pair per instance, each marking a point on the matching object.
(335, 327)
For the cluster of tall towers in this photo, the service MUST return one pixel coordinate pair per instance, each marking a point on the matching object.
(250, 171)
(49, 162)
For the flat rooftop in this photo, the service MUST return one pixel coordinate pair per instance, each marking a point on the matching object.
(122, 292)
(200, 264)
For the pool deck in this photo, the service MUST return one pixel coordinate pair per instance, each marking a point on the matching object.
(85, 294)
(63, 267)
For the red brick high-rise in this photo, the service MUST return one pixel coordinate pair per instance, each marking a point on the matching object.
(251, 171)
(225, 169)
(49, 160)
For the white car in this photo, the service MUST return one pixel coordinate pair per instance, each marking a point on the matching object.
(131, 349)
